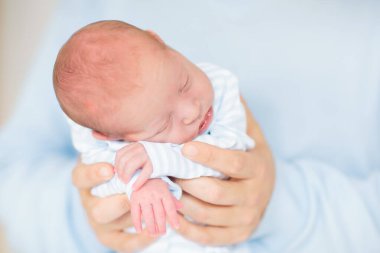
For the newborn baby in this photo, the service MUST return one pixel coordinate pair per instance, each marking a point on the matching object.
(132, 101)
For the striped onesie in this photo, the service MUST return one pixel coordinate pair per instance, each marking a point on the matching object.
(227, 130)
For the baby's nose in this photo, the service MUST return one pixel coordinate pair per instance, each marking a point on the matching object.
(192, 113)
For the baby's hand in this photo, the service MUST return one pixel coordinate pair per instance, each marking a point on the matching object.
(154, 202)
(131, 158)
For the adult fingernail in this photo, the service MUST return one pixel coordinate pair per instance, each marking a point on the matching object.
(190, 150)
(105, 172)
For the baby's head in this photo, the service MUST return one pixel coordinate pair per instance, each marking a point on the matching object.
(126, 84)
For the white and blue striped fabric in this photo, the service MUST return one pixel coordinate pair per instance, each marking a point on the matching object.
(227, 130)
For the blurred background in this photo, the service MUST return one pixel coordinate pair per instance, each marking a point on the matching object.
(21, 25)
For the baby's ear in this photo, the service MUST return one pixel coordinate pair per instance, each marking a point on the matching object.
(99, 136)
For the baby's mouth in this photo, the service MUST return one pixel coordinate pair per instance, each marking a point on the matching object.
(206, 121)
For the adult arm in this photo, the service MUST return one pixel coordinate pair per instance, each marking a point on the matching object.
(314, 207)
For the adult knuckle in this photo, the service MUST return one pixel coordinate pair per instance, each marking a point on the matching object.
(236, 165)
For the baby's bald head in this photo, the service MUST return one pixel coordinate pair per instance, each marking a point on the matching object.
(99, 67)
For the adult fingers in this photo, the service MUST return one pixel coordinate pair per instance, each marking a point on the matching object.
(214, 236)
(233, 163)
(111, 208)
(122, 223)
(214, 191)
(205, 213)
(136, 217)
(86, 176)
(124, 242)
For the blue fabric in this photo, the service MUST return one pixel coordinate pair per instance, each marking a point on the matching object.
(310, 71)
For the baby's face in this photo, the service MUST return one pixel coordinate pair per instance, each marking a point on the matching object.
(173, 101)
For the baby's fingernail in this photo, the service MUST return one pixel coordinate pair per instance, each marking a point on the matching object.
(105, 172)
(190, 150)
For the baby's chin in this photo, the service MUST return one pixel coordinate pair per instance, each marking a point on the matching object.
(184, 139)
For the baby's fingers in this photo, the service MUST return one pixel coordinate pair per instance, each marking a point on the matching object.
(136, 216)
(159, 214)
(171, 211)
(144, 176)
(129, 167)
(148, 215)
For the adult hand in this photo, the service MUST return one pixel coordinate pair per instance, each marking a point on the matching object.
(108, 216)
(233, 208)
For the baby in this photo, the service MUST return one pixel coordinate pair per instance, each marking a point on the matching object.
(132, 101)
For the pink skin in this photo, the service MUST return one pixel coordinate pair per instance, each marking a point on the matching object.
(153, 202)
(131, 158)
(164, 75)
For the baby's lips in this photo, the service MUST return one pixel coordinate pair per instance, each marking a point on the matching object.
(206, 121)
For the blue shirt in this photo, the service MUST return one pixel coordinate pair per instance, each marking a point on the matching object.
(310, 71)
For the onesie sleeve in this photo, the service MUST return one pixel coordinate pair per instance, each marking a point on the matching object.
(167, 160)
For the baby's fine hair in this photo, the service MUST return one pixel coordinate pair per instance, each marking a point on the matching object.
(86, 69)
